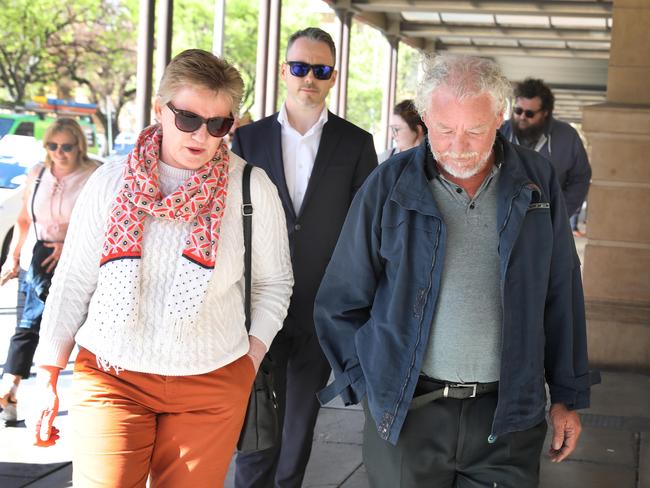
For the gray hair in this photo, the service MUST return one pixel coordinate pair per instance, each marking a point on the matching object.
(466, 76)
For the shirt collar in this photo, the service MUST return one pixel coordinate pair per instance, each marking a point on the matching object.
(283, 119)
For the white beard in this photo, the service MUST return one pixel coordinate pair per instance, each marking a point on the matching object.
(470, 164)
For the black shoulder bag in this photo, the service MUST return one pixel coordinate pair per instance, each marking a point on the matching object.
(261, 428)
(37, 277)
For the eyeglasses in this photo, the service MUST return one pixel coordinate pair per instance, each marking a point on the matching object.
(528, 113)
(53, 146)
(300, 69)
(190, 122)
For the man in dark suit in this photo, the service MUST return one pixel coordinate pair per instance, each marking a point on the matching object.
(317, 161)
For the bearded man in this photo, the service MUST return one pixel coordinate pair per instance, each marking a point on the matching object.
(533, 126)
(454, 295)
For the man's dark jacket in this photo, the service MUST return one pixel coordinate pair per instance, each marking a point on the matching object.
(563, 147)
(376, 303)
(345, 157)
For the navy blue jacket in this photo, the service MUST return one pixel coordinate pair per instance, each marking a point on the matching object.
(375, 306)
(346, 155)
(563, 147)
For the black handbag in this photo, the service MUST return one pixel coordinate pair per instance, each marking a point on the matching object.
(37, 277)
(261, 427)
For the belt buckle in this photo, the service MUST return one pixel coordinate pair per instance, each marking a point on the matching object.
(473, 386)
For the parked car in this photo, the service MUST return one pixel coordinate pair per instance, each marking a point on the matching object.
(35, 125)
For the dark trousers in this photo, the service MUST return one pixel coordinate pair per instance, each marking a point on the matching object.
(301, 370)
(22, 346)
(445, 444)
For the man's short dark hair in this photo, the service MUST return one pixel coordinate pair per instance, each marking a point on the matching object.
(533, 87)
(314, 34)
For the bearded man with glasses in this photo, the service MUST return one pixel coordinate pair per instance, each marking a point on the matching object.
(317, 161)
(532, 125)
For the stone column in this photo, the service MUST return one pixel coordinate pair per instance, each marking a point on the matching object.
(339, 93)
(259, 107)
(144, 70)
(617, 255)
(390, 88)
(273, 50)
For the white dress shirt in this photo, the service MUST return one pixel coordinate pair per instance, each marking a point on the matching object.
(298, 154)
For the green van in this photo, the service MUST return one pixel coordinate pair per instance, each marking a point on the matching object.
(23, 124)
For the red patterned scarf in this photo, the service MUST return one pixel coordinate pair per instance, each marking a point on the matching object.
(200, 200)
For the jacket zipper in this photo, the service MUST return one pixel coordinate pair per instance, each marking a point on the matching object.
(493, 437)
(417, 343)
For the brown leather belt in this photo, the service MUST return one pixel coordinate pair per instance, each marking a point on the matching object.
(429, 390)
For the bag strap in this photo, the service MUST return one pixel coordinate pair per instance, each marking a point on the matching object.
(247, 217)
(37, 182)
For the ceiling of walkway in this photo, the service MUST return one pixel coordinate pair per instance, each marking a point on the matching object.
(564, 42)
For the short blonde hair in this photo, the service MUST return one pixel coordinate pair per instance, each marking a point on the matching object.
(195, 67)
(71, 126)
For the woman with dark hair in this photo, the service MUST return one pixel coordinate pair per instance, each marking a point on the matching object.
(50, 194)
(407, 129)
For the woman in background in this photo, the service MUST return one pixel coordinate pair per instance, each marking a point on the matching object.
(50, 194)
(407, 129)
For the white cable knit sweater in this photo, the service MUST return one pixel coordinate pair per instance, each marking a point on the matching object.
(79, 303)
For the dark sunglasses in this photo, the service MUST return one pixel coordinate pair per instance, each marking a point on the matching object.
(190, 122)
(528, 113)
(53, 146)
(300, 69)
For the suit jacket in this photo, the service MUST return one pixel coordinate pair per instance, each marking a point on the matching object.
(346, 156)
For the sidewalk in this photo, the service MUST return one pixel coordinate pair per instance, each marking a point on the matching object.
(614, 451)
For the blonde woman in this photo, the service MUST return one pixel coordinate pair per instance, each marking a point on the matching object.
(50, 194)
(150, 287)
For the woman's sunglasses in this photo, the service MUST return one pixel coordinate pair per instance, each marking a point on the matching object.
(53, 146)
(528, 113)
(190, 122)
(300, 69)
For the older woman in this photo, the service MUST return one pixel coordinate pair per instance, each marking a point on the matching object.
(150, 287)
(50, 194)
(407, 129)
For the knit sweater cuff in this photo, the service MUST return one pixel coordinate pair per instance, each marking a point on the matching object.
(56, 353)
(264, 327)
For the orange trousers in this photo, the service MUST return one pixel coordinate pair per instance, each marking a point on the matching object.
(176, 430)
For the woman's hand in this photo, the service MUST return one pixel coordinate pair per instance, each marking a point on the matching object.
(256, 351)
(50, 262)
(10, 270)
(45, 433)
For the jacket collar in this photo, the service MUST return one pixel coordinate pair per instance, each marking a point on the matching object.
(412, 189)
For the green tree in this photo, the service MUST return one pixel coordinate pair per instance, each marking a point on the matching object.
(193, 28)
(103, 59)
(240, 44)
(87, 43)
(407, 72)
(33, 39)
(367, 76)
